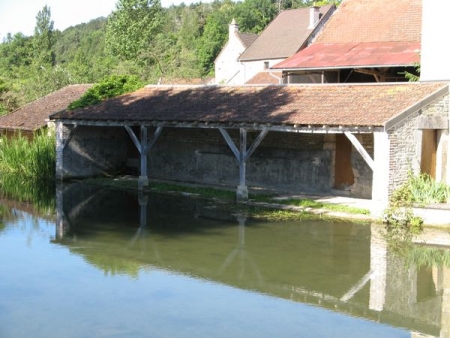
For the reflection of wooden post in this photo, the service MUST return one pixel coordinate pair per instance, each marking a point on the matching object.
(62, 224)
(143, 201)
(445, 307)
(378, 266)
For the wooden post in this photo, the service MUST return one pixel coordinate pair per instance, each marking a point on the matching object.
(242, 155)
(143, 178)
(143, 146)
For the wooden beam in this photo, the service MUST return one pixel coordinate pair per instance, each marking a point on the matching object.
(68, 139)
(256, 143)
(152, 141)
(134, 138)
(230, 143)
(359, 147)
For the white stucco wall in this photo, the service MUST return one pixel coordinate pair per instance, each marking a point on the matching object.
(226, 66)
(435, 50)
(250, 68)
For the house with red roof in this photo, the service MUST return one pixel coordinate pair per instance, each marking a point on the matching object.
(364, 41)
(288, 33)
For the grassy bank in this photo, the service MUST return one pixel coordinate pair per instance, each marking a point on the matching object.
(27, 168)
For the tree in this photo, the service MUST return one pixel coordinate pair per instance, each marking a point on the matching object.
(254, 15)
(215, 34)
(131, 29)
(44, 40)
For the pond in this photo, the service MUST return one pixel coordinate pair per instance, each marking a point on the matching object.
(112, 263)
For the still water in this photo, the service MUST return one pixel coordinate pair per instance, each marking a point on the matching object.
(114, 264)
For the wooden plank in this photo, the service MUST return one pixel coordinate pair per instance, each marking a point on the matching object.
(365, 155)
(230, 143)
(72, 130)
(134, 138)
(152, 141)
(256, 143)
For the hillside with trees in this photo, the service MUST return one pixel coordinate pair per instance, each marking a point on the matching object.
(139, 38)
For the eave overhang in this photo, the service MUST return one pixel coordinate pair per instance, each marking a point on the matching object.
(318, 129)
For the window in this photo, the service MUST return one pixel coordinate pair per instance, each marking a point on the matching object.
(266, 65)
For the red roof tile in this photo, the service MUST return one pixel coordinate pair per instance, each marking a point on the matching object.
(353, 55)
(266, 78)
(374, 21)
(316, 105)
(34, 115)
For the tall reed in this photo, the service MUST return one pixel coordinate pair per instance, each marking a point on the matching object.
(27, 168)
(28, 158)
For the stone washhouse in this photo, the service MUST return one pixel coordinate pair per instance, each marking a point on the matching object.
(360, 140)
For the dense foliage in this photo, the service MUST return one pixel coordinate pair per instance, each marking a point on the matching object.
(139, 38)
(109, 87)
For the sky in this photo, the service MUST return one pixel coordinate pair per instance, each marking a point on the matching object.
(20, 15)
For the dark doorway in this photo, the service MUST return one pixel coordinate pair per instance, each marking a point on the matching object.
(343, 174)
(429, 147)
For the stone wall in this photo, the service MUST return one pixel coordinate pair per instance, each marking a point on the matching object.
(296, 162)
(406, 144)
(91, 151)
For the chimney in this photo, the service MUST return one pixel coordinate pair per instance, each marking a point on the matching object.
(314, 16)
(233, 27)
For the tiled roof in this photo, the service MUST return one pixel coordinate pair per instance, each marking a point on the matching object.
(246, 38)
(181, 81)
(374, 21)
(34, 115)
(365, 33)
(315, 105)
(283, 37)
(353, 55)
(265, 78)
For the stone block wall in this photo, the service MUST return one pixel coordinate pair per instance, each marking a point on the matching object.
(91, 151)
(406, 143)
(296, 162)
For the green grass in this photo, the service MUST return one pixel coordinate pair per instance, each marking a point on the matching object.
(309, 203)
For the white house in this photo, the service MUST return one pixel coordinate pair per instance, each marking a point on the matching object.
(226, 63)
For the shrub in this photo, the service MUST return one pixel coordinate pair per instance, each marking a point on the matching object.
(112, 86)
(422, 190)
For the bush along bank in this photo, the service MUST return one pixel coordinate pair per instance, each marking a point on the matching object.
(418, 191)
